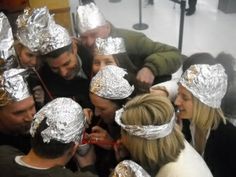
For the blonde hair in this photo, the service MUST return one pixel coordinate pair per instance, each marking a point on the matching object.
(151, 109)
(206, 117)
(4, 98)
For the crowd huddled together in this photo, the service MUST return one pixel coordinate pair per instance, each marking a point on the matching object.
(110, 102)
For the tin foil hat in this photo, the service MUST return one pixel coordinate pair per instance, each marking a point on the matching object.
(31, 25)
(55, 37)
(128, 168)
(89, 17)
(7, 51)
(110, 83)
(208, 83)
(109, 46)
(65, 120)
(14, 82)
(149, 132)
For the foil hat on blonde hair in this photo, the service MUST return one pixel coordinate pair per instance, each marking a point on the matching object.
(89, 17)
(64, 118)
(7, 51)
(129, 168)
(15, 84)
(109, 46)
(208, 83)
(110, 83)
(31, 25)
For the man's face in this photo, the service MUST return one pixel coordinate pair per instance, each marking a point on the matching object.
(66, 65)
(89, 37)
(16, 117)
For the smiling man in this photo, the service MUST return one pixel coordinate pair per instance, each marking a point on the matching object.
(16, 110)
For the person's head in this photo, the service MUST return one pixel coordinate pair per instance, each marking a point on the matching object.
(64, 61)
(57, 129)
(7, 53)
(91, 24)
(59, 52)
(17, 105)
(109, 90)
(27, 58)
(128, 168)
(30, 26)
(149, 131)
(106, 52)
(198, 58)
(201, 89)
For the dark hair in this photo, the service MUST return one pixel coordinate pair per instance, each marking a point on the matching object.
(56, 53)
(198, 58)
(53, 149)
(228, 61)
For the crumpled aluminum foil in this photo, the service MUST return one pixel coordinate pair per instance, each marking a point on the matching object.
(110, 83)
(109, 46)
(65, 120)
(7, 51)
(55, 37)
(149, 132)
(89, 17)
(208, 83)
(14, 82)
(31, 25)
(129, 168)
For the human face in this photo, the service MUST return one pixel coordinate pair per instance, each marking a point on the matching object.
(100, 61)
(89, 37)
(66, 65)
(27, 58)
(104, 108)
(16, 117)
(184, 102)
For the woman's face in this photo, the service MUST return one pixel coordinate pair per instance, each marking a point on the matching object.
(100, 61)
(184, 102)
(104, 108)
(27, 58)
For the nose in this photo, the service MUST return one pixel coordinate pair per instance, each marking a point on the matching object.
(63, 72)
(29, 115)
(90, 41)
(33, 62)
(177, 100)
(97, 112)
(102, 65)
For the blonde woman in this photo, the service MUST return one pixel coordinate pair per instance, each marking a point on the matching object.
(201, 89)
(154, 140)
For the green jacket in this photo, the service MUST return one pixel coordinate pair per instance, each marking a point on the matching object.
(162, 59)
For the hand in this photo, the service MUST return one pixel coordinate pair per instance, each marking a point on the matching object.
(88, 159)
(146, 76)
(101, 137)
(38, 94)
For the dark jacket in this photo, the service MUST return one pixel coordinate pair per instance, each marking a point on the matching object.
(160, 58)
(77, 88)
(10, 168)
(220, 151)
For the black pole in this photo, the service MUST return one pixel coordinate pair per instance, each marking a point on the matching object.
(140, 25)
(181, 25)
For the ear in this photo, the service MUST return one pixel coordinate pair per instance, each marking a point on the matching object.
(74, 47)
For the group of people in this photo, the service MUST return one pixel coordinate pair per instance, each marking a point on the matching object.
(89, 106)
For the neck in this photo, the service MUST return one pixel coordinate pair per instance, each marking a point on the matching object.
(33, 159)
